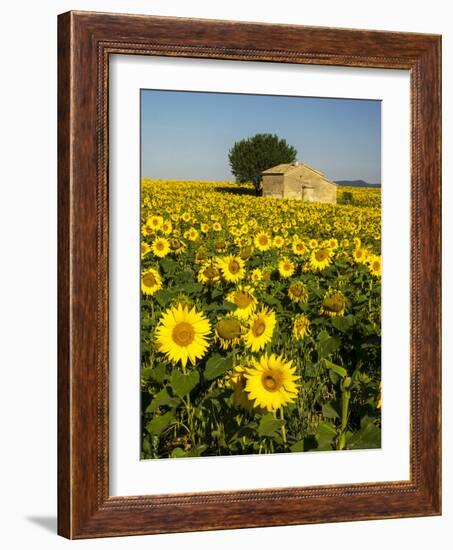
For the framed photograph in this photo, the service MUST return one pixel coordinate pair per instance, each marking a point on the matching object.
(249, 275)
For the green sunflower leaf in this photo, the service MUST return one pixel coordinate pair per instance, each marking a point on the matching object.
(368, 437)
(158, 424)
(341, 371)
(162, 399)
(324, 436)
(183, 384)
(269, 425)
(326, 344)
(217, 365)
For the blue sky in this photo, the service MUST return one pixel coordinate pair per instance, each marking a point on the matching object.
(187, 135)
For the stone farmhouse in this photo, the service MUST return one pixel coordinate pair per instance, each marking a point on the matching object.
(298, 181)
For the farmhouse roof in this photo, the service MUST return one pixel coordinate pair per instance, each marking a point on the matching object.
(294, 166)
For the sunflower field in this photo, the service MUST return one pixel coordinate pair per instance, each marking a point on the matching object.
(260, 321)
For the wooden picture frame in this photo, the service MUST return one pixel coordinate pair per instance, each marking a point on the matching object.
(85, 42)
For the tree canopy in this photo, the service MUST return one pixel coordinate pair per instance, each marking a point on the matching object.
(250, 156)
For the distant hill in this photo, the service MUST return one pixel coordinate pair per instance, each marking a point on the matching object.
(357, 183)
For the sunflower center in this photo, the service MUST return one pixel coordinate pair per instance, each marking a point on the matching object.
(270, 381)
(242, 299)
(297, 290)
(246, 252)
(160, 245)
(376, 265)
(259, 327)
(149, 280)
(287, 267)
(228, 329)
(174, 244)
(321, 255)
(211, 272)
(183, 334)
(334, 303)
(263, 239)
(234, 266)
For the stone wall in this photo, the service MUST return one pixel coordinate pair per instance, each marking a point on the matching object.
(273, 186)
(289, 186)
(317, 189)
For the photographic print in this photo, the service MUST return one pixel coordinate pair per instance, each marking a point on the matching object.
(260, 274)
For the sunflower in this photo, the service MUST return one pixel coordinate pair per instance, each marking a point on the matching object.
(262, 241)
(177, 246)
(301, 327)
(360, 255)
(236, 381)
(160, 247)
(313, 243)
(220, 245)
(375, 265)
(256, 275)
(260, 330)
(271, 382)
(320, 258)
(244, 300)
(232, 268)
(217, 227)
(334, 304)
(286, 267)
(151, 281)
(144, 248)
(246, 252)
(191, 234)
(201, 256)
(155, 222)
(147, 230)
(298, 292)
(167, 227)
(379, 398)
(186, 217)
(209, 273)
(228, 332)
(182, 334)
(333, 243)
(299, 247)
(278, 241)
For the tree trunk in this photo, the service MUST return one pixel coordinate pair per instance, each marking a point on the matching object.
(257, 186)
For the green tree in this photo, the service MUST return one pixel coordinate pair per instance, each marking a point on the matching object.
(250, 156)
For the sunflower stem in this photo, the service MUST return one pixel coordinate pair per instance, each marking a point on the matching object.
(282, 417)
(190, 419)
(345, 397)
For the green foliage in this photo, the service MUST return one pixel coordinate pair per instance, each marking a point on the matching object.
(346, 198)
(368, 437)
(216, 366)
(183, 384)
(158, 424)
(269, 425)
(250, 156)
